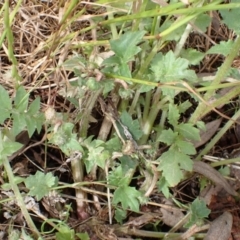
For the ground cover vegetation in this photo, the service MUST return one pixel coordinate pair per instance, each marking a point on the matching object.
(119, 119)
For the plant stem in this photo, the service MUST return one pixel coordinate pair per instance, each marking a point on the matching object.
(222, 101)
(182, 41)
(12, 15)
(147, 127)
(225, 162)
(146, 106)
(10, 40)
(141, 72)
(221, 74)
(19, 199)
(113, 25)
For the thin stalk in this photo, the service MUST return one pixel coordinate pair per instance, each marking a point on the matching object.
(173, 9)
(164, 114)
(139, 6)
(157, 96)
(78, 176)
(221, 74)
(217, 137)
(10, 40)
(12, 15)
(19, 199)
(113, 25)
(225, 162)
(218, 86)
(68, 10)
(141, 72)
(147, 127)
(222, 101)
(182, 41)
(147, 103)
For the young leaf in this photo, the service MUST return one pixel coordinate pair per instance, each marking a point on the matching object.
(108, 86)
(65, 139)
(192, 55)
(120, 177)
(126, 46)
(23, 236)
(171, 164)
(199, 211)
(234, 73)
(223, 48)
(92, 84)
(173, 115)
(225, 171)
(96, 156)
(127, 163)
(120, 215)
(112, 61)
(163, 186)
(97, 153)
(230, 17)
(34, 122)
(76, 61)
(125, 93)
(128, 197)
(34, 107)
(185, 147)
(5, 106)
(188, 131)
(40, 184)
(113, 145)
(168, 137)
(65, 233)
(21, 99)
(83, 236)
(201, 125)
(168, 68)
(182, 108)
(123, 70)
(203, 21)
(7, 148)
(19, 122)
(26, 118)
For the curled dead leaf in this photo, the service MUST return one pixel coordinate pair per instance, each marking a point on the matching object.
(212, 174)
(211, 129)
(220, 228)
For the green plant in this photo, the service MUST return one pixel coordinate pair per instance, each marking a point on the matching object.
(133, 88)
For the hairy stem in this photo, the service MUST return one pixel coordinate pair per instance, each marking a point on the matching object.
(221, 74)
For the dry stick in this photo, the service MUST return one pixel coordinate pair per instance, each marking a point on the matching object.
(193, 230)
